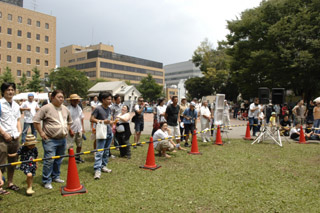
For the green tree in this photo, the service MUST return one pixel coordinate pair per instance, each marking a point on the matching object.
(276, 45)
(7, 76)
(70, 81)
(22, 87)
(149, 89)
(198, 87)
(35, 84)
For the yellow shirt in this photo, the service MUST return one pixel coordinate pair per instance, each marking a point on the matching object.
(273, 120)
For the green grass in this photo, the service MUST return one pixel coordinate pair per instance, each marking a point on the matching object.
(236, 177)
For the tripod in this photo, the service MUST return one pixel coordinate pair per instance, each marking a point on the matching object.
(267, 133)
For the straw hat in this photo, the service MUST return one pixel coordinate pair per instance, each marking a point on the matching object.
(74, 97)
(30, 140)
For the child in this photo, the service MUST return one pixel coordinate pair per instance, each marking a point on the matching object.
(28, 151)
(245, 115)
(273, 119)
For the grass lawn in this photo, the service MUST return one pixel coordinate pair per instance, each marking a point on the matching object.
(236, 177)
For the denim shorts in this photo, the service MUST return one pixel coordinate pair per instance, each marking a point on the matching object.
(138, 126)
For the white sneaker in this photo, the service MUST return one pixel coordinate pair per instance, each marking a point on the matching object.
(208, 140)
(204, 141)
(97, 175)
(58, 180)
(105, 169)
(48, 186)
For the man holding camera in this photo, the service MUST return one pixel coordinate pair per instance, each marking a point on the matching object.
(138, 119)
(254, 110)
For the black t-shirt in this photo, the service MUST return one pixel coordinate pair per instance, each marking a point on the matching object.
(102, 113)
(310, 110)
(285, 123)
(172, 112)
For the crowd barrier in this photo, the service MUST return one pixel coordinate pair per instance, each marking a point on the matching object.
(123, 146)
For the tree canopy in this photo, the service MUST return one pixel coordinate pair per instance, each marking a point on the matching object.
(149, 89)
(276, 45)
(35, 84)
(7, 76)
(70, 81)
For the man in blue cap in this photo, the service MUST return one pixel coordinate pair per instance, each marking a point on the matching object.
(29, 108)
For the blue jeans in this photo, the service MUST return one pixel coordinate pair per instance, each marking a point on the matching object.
(101, 159)
(51, 168)
(255, 128)
(316, 124)
(25, 131)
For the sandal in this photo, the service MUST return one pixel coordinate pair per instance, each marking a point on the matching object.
(14, 187)
(4, 192)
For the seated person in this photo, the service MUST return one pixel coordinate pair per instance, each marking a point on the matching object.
(165, 144)
(310, 133)
(285, 126)
(245, 115)
(295, 132)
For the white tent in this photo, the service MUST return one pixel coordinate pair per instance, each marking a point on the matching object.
(24, 96)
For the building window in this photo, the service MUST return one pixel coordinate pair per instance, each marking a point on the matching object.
(18, 73)
(28, 60)
(0, 29)
(9, 44)
(19, 19)
(8, 58)
(47, 26)
(10, 17)
(29, 21)
(18, 59)
(38, 37)
(38, 49)
(38, 23)
(9, 31)
(28, 35)
(28, 74)
(0, 14)
(46, 51)
(37, 62)
(19, 46)
(0, 43)
(72, 60)
(46, 63)
(19, 33)
(46, 38)
(28, 47)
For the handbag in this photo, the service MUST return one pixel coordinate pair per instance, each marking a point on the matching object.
(101, 130)
(120, 128)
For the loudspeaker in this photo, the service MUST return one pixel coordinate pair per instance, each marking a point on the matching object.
(264, 94)
(278, 95)
(219, 107)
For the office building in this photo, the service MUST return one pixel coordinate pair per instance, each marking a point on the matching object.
(27, 40)
(100, 61)
(178, 71)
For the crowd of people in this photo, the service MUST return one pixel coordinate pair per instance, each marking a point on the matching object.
(61, 127)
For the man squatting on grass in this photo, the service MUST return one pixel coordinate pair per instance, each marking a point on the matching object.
(102, 113)
(10, 131)
(56, 121)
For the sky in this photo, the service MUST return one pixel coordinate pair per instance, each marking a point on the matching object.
(166, 31)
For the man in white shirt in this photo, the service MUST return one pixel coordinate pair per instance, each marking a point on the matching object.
(10, 129)
(29, 108)
(77, 127)
(205, 117)
(254, 110)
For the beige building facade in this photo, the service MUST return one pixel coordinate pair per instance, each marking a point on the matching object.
(27, 40)
(100, 61)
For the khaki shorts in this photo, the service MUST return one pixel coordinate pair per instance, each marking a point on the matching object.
(8, 148)
(165, 144)
(175, 131)
(77, 138)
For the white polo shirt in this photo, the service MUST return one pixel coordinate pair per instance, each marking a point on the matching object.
(28, 115)
(9, 117)
(256, 112)
(204, 111)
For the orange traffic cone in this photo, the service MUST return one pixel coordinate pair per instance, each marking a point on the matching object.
(73, 184)
(150, 162)
(194, 145)
(302, 139)
(218, 137)
(248, 136)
